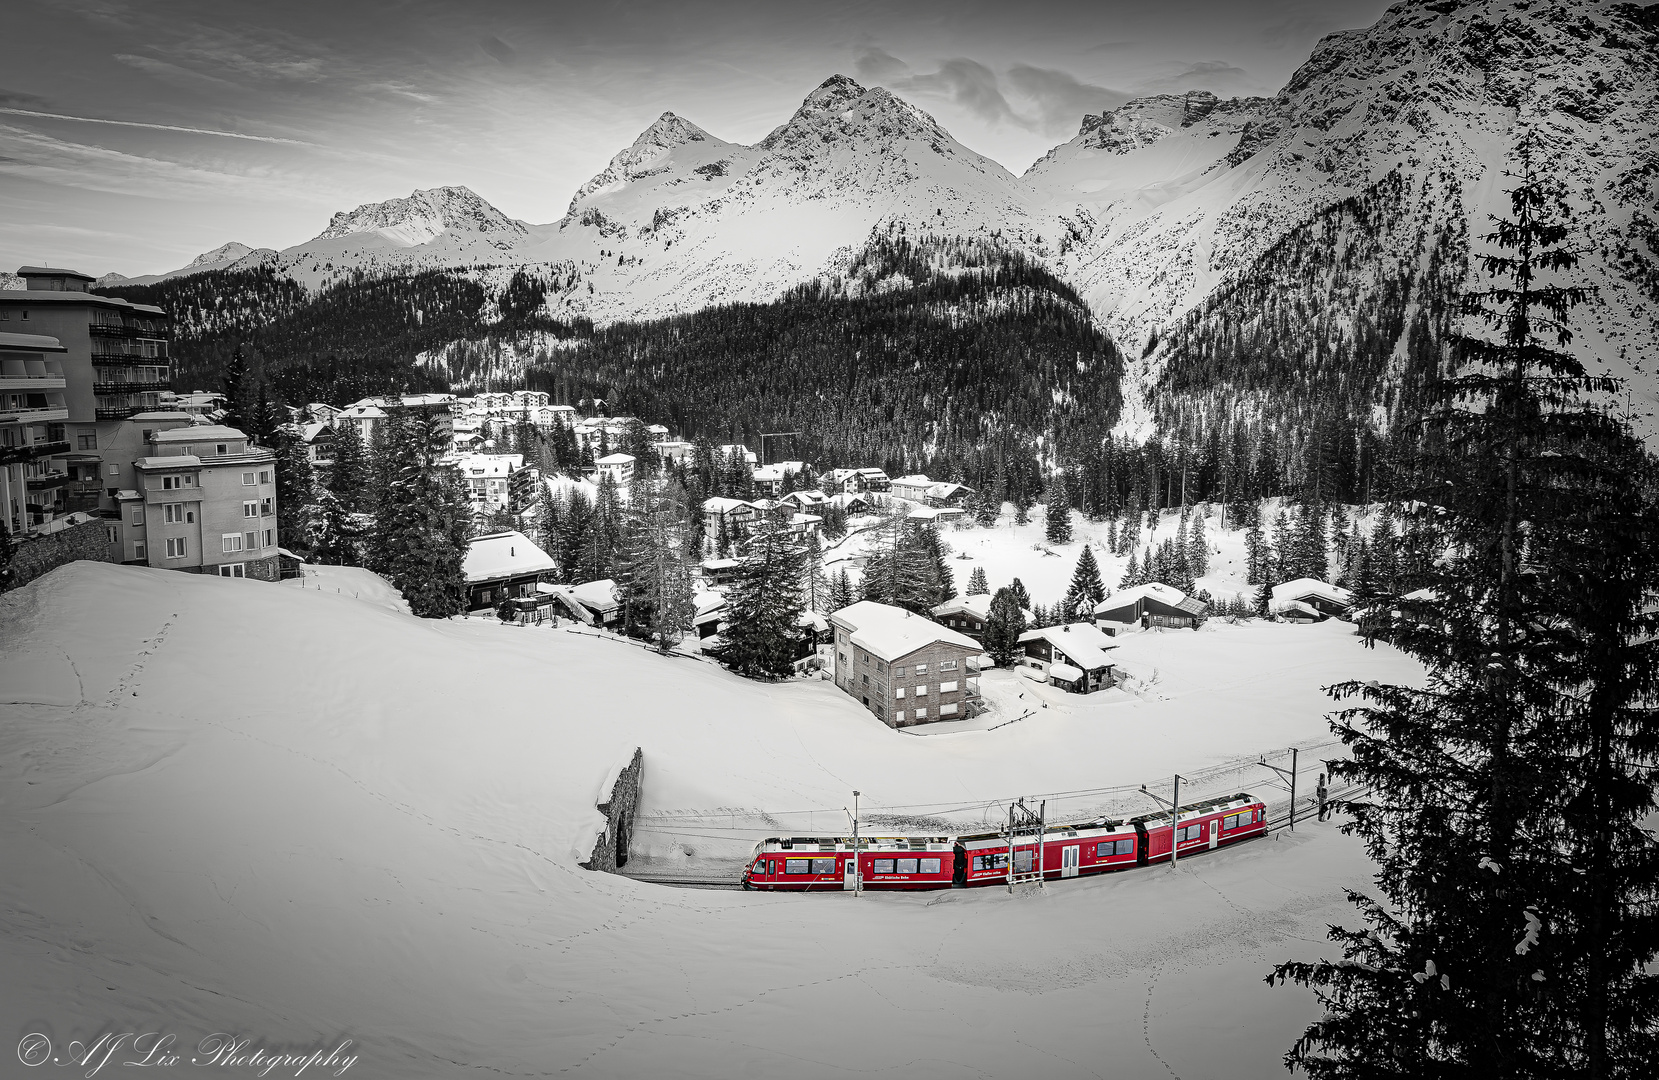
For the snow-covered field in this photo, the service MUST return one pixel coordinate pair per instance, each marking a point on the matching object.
(298, 815)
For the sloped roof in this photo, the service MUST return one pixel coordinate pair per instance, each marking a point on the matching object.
(719, 504)
(31, 343)
(197, 433)
(1153, 590)
(977, 605)
(615, 459)
(1307, 586)
(600, 594)
(891, 632)
(503, 555)
(1085, 643)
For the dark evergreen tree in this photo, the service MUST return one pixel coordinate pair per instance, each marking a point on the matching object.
(841, 592)
(348, 477)
(233, 383)
(1518, 774)
(1021, 597)
(1087, 589)
(333, 535)
(653, 579)
(763, 636)
(977, 583)
(422, 520)
(1003, 627)
(1057, 518)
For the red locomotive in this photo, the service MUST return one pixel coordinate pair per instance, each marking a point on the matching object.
(824, 864)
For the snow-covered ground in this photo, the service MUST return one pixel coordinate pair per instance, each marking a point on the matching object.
(297, 814)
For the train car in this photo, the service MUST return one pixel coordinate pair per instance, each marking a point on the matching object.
(1092, 847)
(1203, 825)
(830, 864)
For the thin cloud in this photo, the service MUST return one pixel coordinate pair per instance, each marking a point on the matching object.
(969, 84)
(1217, 76)
(877, 65)
(16, 99)
(34, 156)
(154, 127)
(503, 53)
(1061, 100)
(1112, 47)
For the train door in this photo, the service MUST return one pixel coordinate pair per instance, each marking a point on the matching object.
(849, 880)
(1069, 860)
(1215, 830)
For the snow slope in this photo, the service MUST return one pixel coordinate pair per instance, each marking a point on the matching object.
(298, 816)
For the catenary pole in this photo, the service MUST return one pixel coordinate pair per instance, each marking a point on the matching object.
(858, 864)
(1175, 832)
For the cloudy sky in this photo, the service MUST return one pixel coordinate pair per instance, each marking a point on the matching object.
(135, 134)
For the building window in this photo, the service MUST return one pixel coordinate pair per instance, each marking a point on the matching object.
(177, 548)
(231, 570)
(247, 479)
(230, 542)
(270, 537)
(221, 449)
(898, 717)
(250, 509)
(267, 506)
(114, 534)
(921, 714)
(86, 441)
(921, 669)
(921, 691)
(138, 516)
(947, 687)
(251, 539)
(114, 470)
(899, 693)
(172, 513)
(948, 665)
(948, 710)
(265, 476)
(138, 550)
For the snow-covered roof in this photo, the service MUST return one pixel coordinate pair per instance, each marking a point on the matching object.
(1084, 643)
(977, 605)
(615, 459)
(807, 497)
(844, 500)
(310, 432)
(913, 480)
(199, 433)
(600, 595)
(891, 632)
(176, 461)
(559, 483)
(1065, 671)
(1152, 590)
(719, 504)
(489, 464)
(502, 555)
(1302, 588)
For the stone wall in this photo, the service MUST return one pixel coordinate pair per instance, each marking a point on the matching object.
(37, 555)
(621, 803)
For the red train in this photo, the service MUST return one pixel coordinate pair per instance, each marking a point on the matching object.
(804, 863)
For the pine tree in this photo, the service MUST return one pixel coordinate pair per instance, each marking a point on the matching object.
(840, 592)
(1021, 597)
(349, 475)
(1087, 589)
(1003, 627)
(764, 604)
(1263, 600)
(1198, 548)
(653, 580)
(977, 583)
(422, 520)
(1514, 932)
(294, 484)
(815, 588)
(233, 384)
(1131, 573)
(332, 532)
(902, 568)
(1057, 518)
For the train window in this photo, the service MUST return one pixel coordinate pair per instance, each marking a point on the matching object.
(884, 866)
(1124, 847)
(998, 861)
(823, 866)
(906, 866)
(930, 866)
(1102, 850)
(1230, 821)
(797, 866)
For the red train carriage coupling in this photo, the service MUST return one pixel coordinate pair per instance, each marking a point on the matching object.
(826, 864)
(1203, 825)
(807, 863)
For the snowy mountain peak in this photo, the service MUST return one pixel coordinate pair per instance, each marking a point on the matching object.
(670, 130)
(425, 215)
(224, 253)
(841, 109)
(644, 155)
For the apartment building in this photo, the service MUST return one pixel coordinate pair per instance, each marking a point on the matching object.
(903, 667)
(203, 501)
(33, 439)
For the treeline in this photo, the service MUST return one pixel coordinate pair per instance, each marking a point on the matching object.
(1297, 378)
(360, 337)
(936, 356)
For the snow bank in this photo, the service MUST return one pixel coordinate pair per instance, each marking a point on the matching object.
(292, 812)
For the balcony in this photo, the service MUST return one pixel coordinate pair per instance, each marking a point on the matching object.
(121, 330)
(11, 455)
(156, 386)
(47, 414)
(46, 481)
(107, 356)
(120, 414)
(31, 383)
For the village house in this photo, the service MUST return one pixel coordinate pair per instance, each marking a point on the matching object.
(806, 500)
(914, 487)
(871, 479)
(851, 504)
(598, 599)
(619, 467)
(1152, 604)
(771, 479)
(732, 451)
(736, 516)
(841, 482)
(503, 565)
(1310, 600)
(488, 479)
(320, 412)
(969, 614)
(903, 667)
(675, 451)
(318, 437)
(1073, 657)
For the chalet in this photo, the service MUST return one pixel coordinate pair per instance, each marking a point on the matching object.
(737, 516)
(731, 451)
(619, 467)
(1310, 600)
(320, 412)
(318, 437)
(503, 565)
(914, 488)
(487, 478)
(720, 571)
(710, 614)
(1152, 604)
(948, 495)
(841, 482)
(807, 500)
(771, 479)
(904, 668)
(656, 433)
(853, 504)
(1074, 657)
(599, 599)
(675, 451)
(969, 614)
(874, 480)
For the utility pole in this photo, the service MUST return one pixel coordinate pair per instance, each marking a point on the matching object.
(1291, 776)
(1175, 817)
(858, 865)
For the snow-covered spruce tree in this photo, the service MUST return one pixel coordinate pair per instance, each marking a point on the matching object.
(1003, 627)
(764, 604)
(940, 587)
(815, 590)
(1131, 573)
(1515, 926)
(977, 583)
(1021, 597)
(653, 579)
(1255, 552)
(348, 477)
(294, 483)
(1057, 517)
(331, 532)
(900, 570)
(840, 592)
(1087, 589)
(1198, 548)
(422, 520)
